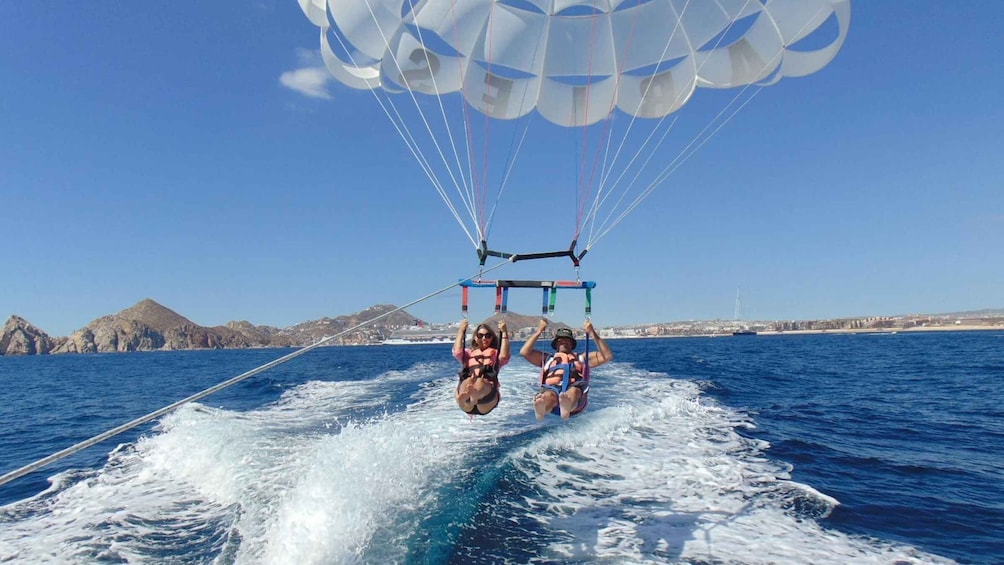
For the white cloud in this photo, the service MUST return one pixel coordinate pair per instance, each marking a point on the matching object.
(311, 79)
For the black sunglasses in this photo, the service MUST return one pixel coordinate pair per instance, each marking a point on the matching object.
(484, 335)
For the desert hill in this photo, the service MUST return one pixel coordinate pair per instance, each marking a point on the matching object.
(150, 326)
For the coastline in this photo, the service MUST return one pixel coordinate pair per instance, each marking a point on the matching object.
(948, 328)
(849, 331)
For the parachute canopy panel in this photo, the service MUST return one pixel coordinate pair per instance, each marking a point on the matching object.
(622, 51)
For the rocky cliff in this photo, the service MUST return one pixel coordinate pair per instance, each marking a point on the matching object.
(149, 326)
(19, 337)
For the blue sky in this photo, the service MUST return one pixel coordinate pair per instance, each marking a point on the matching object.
(153, 152)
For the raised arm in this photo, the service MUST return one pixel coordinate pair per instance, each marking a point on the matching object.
(528, 352)
(458, 344)
(504, 353)
(602, 353)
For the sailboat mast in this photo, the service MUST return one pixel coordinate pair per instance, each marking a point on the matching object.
(741, 329)
(735, 315)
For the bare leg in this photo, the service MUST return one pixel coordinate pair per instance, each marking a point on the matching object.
(464, 400)
(543, 403)
(568, 400)
(480, 388)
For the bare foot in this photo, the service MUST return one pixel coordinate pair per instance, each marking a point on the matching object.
(566, 404)
(539, 407)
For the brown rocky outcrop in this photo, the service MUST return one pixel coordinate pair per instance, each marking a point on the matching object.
(310, 332)
(250, 335)
(149, 326)
(20, 337)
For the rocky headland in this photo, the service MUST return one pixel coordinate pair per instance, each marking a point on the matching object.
(149, 326)
(20, 337)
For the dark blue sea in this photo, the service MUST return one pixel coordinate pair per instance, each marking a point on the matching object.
(882, 448)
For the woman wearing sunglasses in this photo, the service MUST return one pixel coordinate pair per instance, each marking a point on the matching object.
(478, 390)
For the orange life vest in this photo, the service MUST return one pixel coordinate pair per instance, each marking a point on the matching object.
(553, 372)
(481, 362)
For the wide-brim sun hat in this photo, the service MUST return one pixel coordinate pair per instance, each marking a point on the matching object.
(563, 333)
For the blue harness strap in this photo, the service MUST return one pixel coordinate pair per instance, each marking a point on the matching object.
(566, 376)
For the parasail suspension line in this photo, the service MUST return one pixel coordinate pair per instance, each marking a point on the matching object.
(216, 388)
(699, 140)
(682, 157)
(685, 154)
(412, 144)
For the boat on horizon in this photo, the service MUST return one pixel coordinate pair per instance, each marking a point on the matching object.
(420, 336)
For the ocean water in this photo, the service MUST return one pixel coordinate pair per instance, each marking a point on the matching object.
(769, 449)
